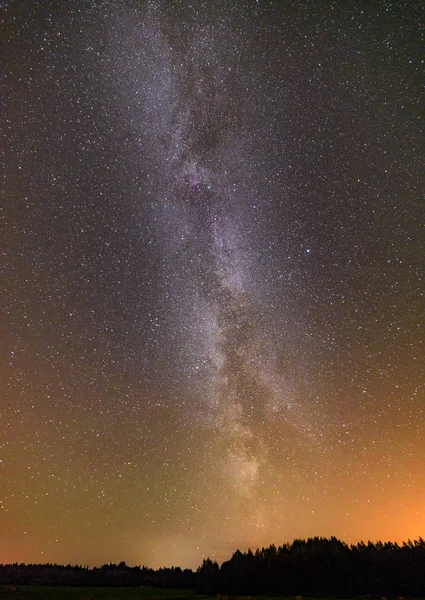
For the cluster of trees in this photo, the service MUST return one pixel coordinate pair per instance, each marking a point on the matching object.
(320, 566)
(107, 575)
(306, 567)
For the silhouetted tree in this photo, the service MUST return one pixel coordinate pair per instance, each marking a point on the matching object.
(208, 574)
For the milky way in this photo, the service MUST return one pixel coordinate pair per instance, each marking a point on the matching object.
(214, 278)
(189, 117)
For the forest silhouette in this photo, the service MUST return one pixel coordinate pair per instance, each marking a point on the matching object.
(306, 567)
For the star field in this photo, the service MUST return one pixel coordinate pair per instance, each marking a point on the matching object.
(213, 296)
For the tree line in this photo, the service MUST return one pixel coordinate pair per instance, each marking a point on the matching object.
(320, 566)
(106, 575)
(306, 567)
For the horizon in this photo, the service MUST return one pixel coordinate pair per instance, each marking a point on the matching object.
(407, 542)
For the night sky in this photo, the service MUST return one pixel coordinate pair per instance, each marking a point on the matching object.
(213, 277)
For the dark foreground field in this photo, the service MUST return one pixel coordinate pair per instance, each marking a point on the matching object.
(40, 592)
